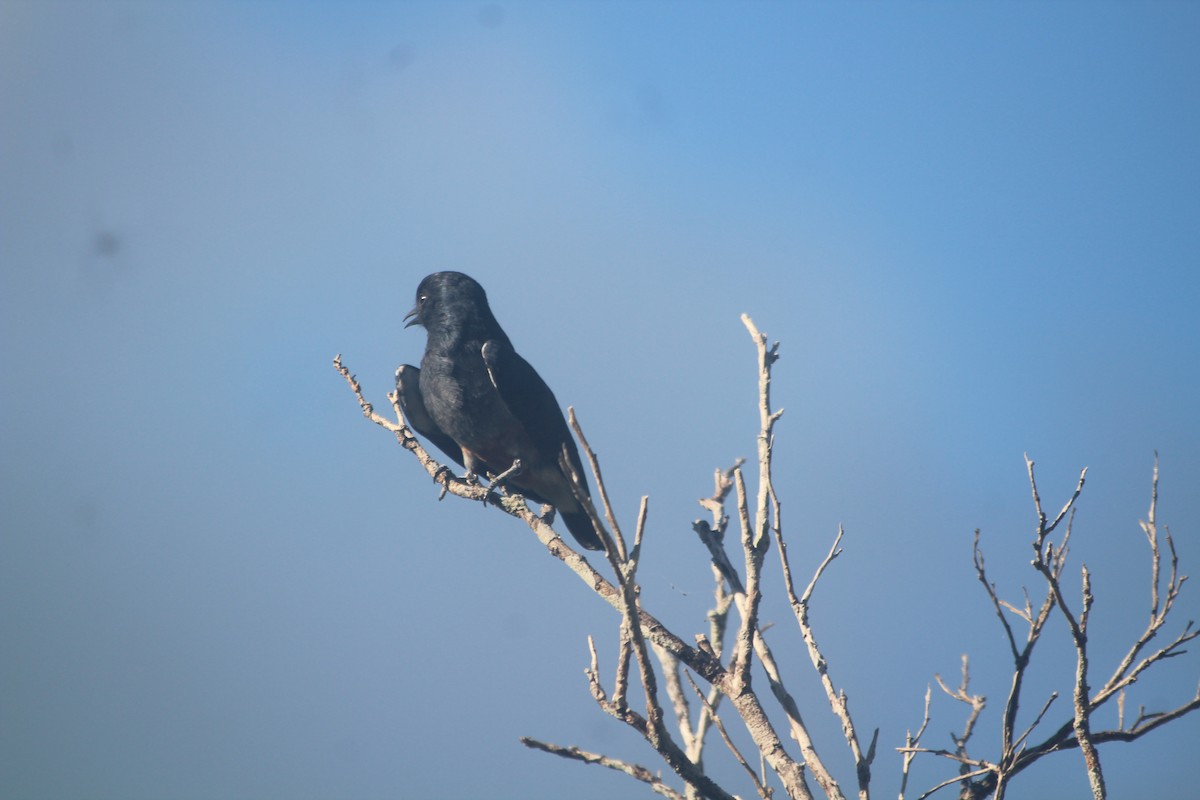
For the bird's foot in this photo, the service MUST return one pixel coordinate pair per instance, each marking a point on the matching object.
(443, 476)
(409, 441)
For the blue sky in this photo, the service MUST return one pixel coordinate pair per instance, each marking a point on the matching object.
(975, 228)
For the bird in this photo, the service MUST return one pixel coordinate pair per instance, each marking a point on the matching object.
(483, 405)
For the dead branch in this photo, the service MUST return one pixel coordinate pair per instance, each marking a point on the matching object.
(1050, 565)
(983, 779)
(759, 786)
(911, 743)
(635, 771)
(729, 671)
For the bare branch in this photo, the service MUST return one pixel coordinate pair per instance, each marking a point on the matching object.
(964, 777)
(838, 701)
(797, 727)
(767, 418)
(759, 787)
(679, 703)
(635, 771)
(440, 474)
(976, 702)
(1045, 529)
(1148, 722)
(762, 650)
(1021, 653)
(624, 652)
(834, 552)
(1020, 742)
(651, 726)
(1127, 672)
(990, 588)
(755, 542)
(633, 639)
(742, 587)
(740, 664)
(594, 463)
(1150, 528)
(1083, 707)
(1049, 563)
(911, 742)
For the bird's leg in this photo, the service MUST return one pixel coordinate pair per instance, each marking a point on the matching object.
(473, 466)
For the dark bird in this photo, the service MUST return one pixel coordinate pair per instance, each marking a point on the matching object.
(483, 405)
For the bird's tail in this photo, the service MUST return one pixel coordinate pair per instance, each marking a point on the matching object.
(580, 526)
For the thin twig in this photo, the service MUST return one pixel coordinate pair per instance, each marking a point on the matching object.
(912, 741)
(594, 463)
(838, 701)
(635, 771)
(1049, 564)
(966, 776)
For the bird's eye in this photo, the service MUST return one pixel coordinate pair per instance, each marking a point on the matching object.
(420, 299)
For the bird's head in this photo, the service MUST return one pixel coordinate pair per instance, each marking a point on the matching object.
(450, 300)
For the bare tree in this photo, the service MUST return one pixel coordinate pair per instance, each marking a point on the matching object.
(979, 778)
(705, 684)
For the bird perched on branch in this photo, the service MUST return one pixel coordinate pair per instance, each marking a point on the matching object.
(484, 406)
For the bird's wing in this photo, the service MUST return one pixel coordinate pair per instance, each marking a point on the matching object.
(408, 387)
(530, 400)
(535, 407)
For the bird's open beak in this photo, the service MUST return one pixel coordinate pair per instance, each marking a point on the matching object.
(412, 318)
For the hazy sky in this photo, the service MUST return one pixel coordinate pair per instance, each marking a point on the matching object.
(974, 227)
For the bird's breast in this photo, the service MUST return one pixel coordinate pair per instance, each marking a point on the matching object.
(461, 399)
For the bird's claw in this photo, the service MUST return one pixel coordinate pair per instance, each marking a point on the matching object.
(442, 475)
